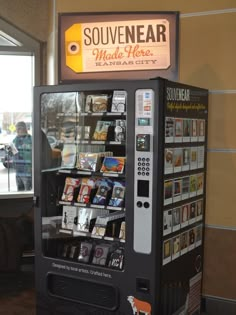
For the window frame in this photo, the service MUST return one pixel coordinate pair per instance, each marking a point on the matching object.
(29, 47)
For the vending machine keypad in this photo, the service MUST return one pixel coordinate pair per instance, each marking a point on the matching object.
(144, 107)
(143, 166)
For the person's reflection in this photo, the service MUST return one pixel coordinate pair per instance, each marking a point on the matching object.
(50, 157)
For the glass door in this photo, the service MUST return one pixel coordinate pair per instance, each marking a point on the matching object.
(83, 136)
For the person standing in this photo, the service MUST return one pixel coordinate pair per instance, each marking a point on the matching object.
(23, 157)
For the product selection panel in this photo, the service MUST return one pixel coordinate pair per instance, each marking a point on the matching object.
(143, 174)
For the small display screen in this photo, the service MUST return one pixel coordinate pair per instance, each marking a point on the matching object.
(143, 121)
(143, 188)
(143, 142)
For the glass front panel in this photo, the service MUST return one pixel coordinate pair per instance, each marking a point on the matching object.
(83, 176)
(16, 124)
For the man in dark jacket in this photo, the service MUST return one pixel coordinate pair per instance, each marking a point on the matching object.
(23, 157)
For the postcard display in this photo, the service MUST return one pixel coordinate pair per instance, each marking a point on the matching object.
(120, 201)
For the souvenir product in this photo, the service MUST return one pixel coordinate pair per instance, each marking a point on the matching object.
(87, 184)
(96, 103)
(120, 130)
(118, 194)
(119, 101)
(101, 130)
(113, 165)
(116, 260)
(104, 187)
(100, 254)
(85, 252)
(89, 162)
(70, 185)
(68, 217)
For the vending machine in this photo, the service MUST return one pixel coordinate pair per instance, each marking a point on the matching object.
(120, 186)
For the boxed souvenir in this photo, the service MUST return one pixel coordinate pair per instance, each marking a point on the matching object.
(178, 129)
(89, 162)
(119, 101)
(169, 129)
(120, 130)
(118, 194)
(104, 188)
(113, 165)
(85, 252)
(87, 184)
(100, 254)
(116, 260)
(169, 159)
(71, 184)
(168, 191)
(167, 222)
(68, 217)
(101, 130)
(96, 103)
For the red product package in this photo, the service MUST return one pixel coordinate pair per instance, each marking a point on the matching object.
(70, 185)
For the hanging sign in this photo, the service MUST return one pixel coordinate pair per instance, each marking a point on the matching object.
(139, 45)
(116, 43)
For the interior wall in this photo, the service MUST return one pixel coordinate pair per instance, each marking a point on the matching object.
(11, 208)
(207, 59)
(207, 47)
(32, 18)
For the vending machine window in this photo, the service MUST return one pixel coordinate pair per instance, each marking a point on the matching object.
(83, 213)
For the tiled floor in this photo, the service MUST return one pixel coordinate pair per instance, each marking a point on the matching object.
(20, 304)
(17, 294)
